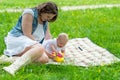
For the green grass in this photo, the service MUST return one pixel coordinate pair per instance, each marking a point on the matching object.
(29, 3)
(99, 25)
(51, 72)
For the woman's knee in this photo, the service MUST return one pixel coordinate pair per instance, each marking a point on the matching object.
(43, 59)
(39, 48)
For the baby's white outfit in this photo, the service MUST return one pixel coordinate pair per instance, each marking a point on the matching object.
(47, 45)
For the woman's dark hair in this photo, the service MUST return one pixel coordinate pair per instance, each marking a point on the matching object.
(50, 8)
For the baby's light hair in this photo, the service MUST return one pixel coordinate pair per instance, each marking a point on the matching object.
(63, 36)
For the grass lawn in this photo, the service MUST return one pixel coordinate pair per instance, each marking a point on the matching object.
(29, 3)
(99, 25)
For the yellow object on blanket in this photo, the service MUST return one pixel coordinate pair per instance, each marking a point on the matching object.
(59, 57)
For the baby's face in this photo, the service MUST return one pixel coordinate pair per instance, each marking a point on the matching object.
(61, 43)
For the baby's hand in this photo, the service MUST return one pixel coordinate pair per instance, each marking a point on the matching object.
(52, 55)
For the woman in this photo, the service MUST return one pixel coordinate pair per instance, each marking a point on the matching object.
(26, 37)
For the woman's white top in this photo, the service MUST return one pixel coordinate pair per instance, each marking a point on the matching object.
(39, 32)
(15, 45)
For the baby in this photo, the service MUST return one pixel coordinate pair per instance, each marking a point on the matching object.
(56, 45)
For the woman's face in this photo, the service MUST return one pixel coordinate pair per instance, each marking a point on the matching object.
(47, 16)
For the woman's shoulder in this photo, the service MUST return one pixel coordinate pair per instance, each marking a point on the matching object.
(28, 11)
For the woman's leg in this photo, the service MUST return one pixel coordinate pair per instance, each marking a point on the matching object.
(32, 54)
(43, 59)
(7, 59)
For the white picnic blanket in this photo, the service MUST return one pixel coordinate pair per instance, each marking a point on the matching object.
(83, 52)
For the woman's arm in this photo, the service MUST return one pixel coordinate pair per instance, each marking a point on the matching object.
(27, 20)
(48, 34)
